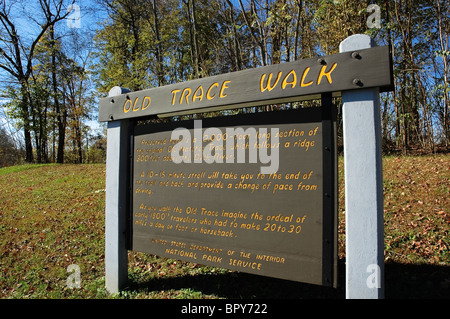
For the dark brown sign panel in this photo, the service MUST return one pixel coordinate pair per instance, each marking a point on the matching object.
(284, 82)
(220, 212)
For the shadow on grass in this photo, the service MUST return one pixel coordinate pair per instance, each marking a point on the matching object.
(411, 281)
(402, 281)
(235, 285)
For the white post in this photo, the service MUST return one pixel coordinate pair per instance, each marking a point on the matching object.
(363, 185)
(116, 254)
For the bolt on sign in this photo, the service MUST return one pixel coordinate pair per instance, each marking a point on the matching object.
(255, 193)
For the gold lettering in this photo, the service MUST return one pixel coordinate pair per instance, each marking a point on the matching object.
(149, 100)
(134, 105)
(292, 83)
(305, 73)
(188, 91)
(174, 94)
(125, 110)
(274, 259)
(208, 96)
(244, 264)
(198, 94)
(268, 86)
(327, 74)
(211, 258)
(224, 86)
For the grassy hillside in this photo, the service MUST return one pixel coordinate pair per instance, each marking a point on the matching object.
(52, 216)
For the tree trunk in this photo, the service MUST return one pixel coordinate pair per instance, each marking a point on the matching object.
(159, 59)
(60, 117)
(29, 158)
(444, 48)
(236, 45)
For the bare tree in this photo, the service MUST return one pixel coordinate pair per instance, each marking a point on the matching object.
(443, 28)
(16, 54)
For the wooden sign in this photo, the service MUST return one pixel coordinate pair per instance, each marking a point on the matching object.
(255, 193)
(292, 81)
(227, 214)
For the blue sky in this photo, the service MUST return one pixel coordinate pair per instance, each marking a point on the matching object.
(89, 14)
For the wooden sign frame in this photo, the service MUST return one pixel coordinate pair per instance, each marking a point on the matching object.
(358, 74)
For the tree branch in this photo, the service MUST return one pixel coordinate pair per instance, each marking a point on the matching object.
(48, 14)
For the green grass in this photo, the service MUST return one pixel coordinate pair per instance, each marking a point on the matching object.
(52, 216)
(20, 168)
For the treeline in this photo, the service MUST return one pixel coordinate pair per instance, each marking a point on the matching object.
(151, 43)
(46, 84)
(54, 74)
